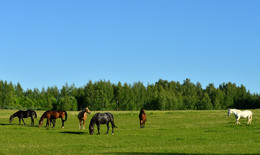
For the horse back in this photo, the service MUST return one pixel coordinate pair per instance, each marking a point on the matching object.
(110, 116)
(246, 113)
(56, 114)
(104, 118)
(24, 114)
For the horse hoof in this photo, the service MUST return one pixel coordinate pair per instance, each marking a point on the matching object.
(112, 133)
(62, 127)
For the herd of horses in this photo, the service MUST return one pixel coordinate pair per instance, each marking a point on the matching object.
(101, 118)
(52, 115)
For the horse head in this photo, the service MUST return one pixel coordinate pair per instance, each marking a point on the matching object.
(91, 129)
(142, 111)
(230, 111)
(40, 123)
(11, 119)
(87, 110)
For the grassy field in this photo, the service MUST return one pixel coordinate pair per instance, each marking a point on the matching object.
(168, 132)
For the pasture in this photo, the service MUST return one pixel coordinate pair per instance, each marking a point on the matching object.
(166, 132)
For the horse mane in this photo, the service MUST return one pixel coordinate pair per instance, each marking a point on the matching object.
(44, 115)
(142, 111)
(84, 110)
(92, 121)
(234, 110)
(15, 114)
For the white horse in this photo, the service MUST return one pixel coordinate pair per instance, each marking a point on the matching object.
(244, 114)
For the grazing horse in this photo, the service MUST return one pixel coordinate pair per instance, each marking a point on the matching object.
(82, 116)
(101, 118)
(51, 117)
(24, 114)
(142, 118)
(244, 114)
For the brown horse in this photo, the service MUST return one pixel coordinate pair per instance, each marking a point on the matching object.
(142, 118)
(82, 116)
(51, 117)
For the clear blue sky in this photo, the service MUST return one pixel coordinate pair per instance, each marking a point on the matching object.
(49, 43)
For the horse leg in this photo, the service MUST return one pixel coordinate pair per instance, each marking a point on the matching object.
(142, 123)
(98, 127)
(51, 122)
(238, 120)
(79, 124)
(249, 119)
(84, 124)
(23, 121)
(47, 123)
(32, 121)
(113, 125)
(108, 127)
(62, 123)
(19, 121)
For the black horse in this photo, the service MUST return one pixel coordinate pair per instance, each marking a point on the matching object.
(101, 118)
(24, 114)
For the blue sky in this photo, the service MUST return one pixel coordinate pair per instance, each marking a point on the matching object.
(49, 43)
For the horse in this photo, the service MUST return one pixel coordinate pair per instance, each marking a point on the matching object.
(82, 116)
(244, 114)
(24, 114)
(51, 117)
(101, 118)
(142, 118)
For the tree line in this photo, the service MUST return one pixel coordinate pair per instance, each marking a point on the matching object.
(104, 95)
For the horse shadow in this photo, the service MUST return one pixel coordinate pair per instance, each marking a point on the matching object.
(234, 125)
(74, 132)
(162, 153)
(5, 124)
(27, 125)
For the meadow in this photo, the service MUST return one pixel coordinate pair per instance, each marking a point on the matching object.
(166, 132)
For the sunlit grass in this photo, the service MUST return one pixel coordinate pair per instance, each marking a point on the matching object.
(184, 132)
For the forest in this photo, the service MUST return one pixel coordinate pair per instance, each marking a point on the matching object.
(104, 95)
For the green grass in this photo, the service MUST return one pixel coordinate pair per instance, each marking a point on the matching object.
(169, 132)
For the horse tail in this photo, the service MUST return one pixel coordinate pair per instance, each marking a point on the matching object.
(112, 120)
(66, 116)
(35, 115)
